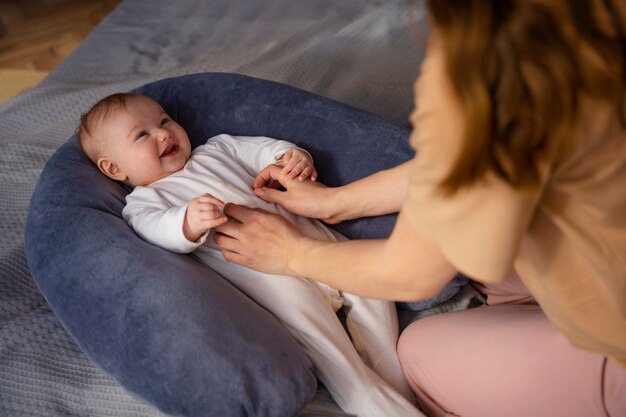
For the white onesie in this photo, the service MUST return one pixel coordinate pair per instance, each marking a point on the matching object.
(225, 167)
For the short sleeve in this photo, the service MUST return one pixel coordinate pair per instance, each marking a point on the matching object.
(480, 227)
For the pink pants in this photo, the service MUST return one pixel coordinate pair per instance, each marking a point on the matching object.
(506, 359)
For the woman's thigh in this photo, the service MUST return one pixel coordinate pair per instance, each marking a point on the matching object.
(506, 360)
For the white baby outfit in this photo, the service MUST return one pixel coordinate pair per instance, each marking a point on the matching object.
(359, 374)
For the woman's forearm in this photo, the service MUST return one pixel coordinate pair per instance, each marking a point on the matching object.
(352, 266)
(403, 267)
(380, 193)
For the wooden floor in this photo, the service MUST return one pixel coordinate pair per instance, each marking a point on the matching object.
(36, 35)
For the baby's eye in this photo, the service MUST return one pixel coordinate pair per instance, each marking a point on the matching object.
(165, 121)
(142, 134)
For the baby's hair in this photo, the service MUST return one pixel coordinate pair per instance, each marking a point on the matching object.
(90, 143)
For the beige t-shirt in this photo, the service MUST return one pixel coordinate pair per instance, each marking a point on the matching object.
(566, 240)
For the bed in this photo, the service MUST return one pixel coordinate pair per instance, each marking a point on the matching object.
(364, 53)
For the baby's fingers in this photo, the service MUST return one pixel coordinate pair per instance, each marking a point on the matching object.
(208, 198)
(211, 217)
(308, 172)
(208, 210)
(214, 222)
(297, 170)
(289, 166)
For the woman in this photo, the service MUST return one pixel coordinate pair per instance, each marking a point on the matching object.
(520, 133)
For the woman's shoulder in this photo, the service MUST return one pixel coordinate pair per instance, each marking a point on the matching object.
(596, 150)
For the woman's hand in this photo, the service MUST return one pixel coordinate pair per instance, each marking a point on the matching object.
(305, 198)
(258, 239)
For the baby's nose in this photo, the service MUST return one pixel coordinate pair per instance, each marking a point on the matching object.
(164, 134)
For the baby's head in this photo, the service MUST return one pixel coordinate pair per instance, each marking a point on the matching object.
(131, 139)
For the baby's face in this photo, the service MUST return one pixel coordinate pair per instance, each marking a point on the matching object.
(144, 142)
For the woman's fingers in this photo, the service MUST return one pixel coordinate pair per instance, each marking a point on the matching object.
(260, 240)
(267, 175)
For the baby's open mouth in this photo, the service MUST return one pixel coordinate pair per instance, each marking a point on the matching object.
(170, 150)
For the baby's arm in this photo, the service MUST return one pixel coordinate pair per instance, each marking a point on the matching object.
(294, 163)
(203, 213)
(255, 154)
(155, 220)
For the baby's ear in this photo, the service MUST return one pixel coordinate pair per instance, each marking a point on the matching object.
(111, 170)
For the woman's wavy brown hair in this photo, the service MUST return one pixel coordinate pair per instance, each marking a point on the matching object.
(519, 69)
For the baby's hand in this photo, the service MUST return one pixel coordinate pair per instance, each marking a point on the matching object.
(203, 213)
(294, 162)
(297, 163)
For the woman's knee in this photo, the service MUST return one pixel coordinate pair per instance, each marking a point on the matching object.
(452, 362)
(415, 345)
(614, 389)
(419, 356)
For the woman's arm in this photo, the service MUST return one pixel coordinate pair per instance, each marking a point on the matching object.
(403, 267)
(380, 193)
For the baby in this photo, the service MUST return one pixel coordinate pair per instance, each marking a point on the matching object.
(176, 203)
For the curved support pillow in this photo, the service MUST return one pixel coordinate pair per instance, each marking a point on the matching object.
(169, 329)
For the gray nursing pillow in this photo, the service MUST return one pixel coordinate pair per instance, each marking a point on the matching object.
(168, 328)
